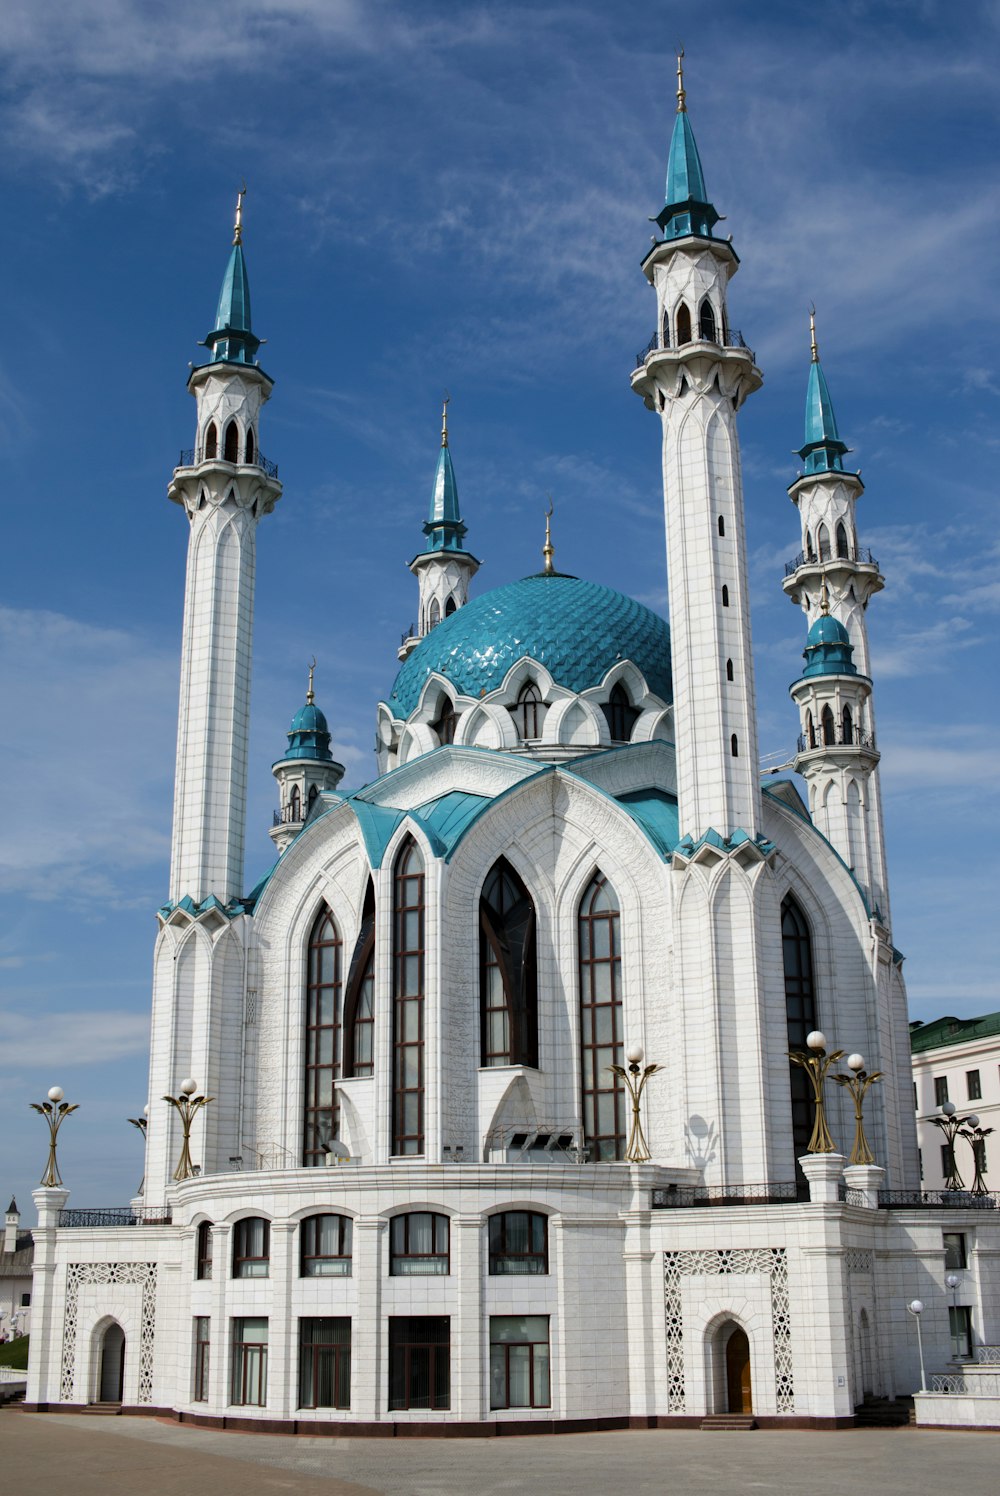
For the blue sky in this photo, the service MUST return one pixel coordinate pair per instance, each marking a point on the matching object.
(456, 196)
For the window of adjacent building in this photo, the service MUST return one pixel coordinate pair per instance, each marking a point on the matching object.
(252, 1248)
(249, 1383)
(325, 1246)
(973, 1085)
(418, 1244)
(920, 1161)
(940, 1089)
(359, 1003)
(26, 1301)
(202, 1338)
(601, 1020)
(408, 1001)
(420, 1362)
(955, 1253)
(203, 1256)
(518, 1242)
(323, 1015)
(508, 979)
(947, 1159)
(800, 1016)
(324, 1363)
(519, 1361)
(960, 1324)
(916, 1104)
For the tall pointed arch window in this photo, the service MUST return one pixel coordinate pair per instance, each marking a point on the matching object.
(620, 713)
(211, 440)
(706, 322)
(434, 614)
(231, 451)
(444, 725)
(800, 1017)
(359, 1005)
(683, 324)
(529, 712)
(251, 445)
(847, 726)
(601, 1020)
(508, 970)
(408, 1001)
(323, 1021)
(295, 804)
(829, 727)
(843, 549)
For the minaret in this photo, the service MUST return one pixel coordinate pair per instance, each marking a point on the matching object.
(445, 569)
(307, 769)
(224, 486)
(11, 1222)
(696, 374)
(832, 575)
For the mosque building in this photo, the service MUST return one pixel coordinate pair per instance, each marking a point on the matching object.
(503, 1131)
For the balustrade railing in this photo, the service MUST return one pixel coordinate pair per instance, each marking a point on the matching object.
(937, 1200)
(191, 456)
(954, 1382)
(289, 815)
(837, 736)
(115, 1215)
(697, 1196)
(988, 1355)
(859, 555)
(729, 337)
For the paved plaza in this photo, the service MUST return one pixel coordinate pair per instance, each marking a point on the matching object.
(147, 1457)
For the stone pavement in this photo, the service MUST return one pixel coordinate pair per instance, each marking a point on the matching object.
(92, 1456)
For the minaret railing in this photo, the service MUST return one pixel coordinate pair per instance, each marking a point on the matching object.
(729, 337)
(192, 456)
(836, 737)
(859, 555)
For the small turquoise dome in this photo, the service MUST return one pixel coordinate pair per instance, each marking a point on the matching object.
(828, 649)
(578, 630)
(309, 735)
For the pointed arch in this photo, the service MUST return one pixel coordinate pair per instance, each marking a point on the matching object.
(843, 548)
(823, 542)
(847, 726)
(231, 443)
(683, 323)
(800, 1018)
(529, 712)
(829, 726)
(251, 445)
(451, 606)
(433, 614)
(734, 746)
(359, 1002)
(601, 1020)
(810, 730)
(725, 596)
(722, 525)
(295, 804)
(621, 715)
(408, 949)
(508, 976)
(444, 723)
(211, 440)
(706, 322)
(729, 670)
(311, 798)
(810, 553)
(322, 1048)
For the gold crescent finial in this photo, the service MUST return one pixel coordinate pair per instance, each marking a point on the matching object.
(444, 419)
(311, 694)
(814, 346)
(238, 225)
(681, 93)
(548, 549)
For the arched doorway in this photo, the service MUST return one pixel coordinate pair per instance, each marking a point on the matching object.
(111, 1383)
(865, 1355)
(738, 1391)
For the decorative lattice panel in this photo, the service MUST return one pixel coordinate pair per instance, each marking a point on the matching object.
(859, 1260)
(769, 1261)
(87, 1273)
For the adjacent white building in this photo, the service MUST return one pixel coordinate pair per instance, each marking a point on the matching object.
(956, 1060)
(413, 1203)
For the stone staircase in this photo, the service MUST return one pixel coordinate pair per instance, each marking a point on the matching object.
(728, 1423)
(884, 1412)
(104, 1409)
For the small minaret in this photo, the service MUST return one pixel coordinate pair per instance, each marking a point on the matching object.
(445, 569)
(224, 486)
(834, 577)
(696, 374)
(307, 769)
(11, 1222)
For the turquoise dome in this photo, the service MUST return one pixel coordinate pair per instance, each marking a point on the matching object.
(827, 630)
(309, 735)
(308, 718)
(578, 630)
(828, 649)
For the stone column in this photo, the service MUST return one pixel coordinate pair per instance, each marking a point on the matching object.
(282, 1330)
(466, 1321)
(823, 1171)
(369, 1376)
(867, 1180)
(219, 1345)
(46, 1340)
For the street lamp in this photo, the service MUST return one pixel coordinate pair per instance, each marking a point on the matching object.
(55, 1111)
(142, 1123)
(916, 1308)
(952, 1126)
(858, 1084)
(635, 1078)
(187, 1106)
(816, 1066)
(976, 1137)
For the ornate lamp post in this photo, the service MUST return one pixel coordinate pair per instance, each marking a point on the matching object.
(858, 1084)
(635, 1078)
(816, 1066)
(976, 1137)
(55, 1111)
(952, 1126)
(187, 1106)
(916, 1308)
(142, 1124)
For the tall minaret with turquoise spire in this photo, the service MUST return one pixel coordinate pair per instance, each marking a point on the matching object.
(695, 374)
(833, 578)
(224, 487)
(444, 568)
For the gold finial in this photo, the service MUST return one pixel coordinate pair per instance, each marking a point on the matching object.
(812, 334)
(444, 419)
(681, 94)
(548, 549)
(824, 599)
(238, 225)
(311, 694)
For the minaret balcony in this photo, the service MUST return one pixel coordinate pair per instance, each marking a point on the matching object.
(859, 556)
(289, 815)
(660, 343)
(837, 737)
(193, 456)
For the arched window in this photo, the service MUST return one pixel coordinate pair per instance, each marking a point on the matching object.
(325, 1246)
(231, 451)
(665, 329)
(211, 440)
(829, 727)
(203, 1255)
(800, 1016)
(729, 670)
(252, 1248)
(725, 597)
(810, 730)
(683, 324)
(313, 792)
(706, 322)
(323, 1017)
(295, 804)
(601, 1020)
(451, 606)
(842, 547)
(529, 712)
(251, 445)
(408, 1001)
(848, 726)
(434, 614)
(419, 1244)
(722, 525)
(518, 1243)
(823, 542)
(508, 978)
(734, 746)
(620, 713)
(444, 726)
(359, 1004)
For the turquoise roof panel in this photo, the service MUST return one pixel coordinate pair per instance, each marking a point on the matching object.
(687, 209)
(232, 338)
(822, 451)
(444, 528)
(578, 630)
(450, 815)
(656, 813)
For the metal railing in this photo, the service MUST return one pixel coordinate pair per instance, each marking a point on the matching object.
(729, 337)
(854, 1197)
(937, 1199)
(191, 456)
(836, 737)
(859, 555)
(289, 815)
(115, 1215)
(954, 1382)
(988, 1355)
(697, 1196)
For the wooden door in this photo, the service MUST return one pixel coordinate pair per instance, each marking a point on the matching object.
(738, 1373)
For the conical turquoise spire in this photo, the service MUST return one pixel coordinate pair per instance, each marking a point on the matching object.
(687, 209)
(823, 449)
(444, 528)
(232, 339)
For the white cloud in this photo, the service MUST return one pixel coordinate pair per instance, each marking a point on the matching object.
(77, 1038)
